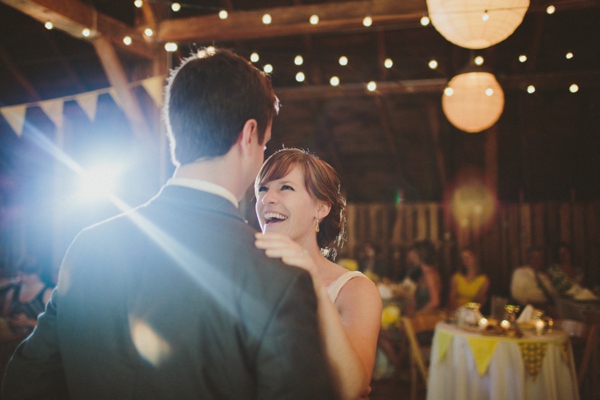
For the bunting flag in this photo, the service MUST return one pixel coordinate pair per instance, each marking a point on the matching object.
(154, 87)
(54, 110)
(88, 101)
(15, 116)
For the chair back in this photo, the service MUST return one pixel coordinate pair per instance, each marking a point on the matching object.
(584, 339)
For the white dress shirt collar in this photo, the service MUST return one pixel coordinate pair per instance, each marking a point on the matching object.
(205, 187)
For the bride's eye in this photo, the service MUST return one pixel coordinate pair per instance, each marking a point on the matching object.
(287, 187)
(262, 189)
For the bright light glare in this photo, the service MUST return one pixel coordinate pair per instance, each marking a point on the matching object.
(448, 91)
(371, 86)
(223, 14)
(388, 63)
(343, 60)
(49, 25)
(479, 60)
(433, 64)
(127, 40)
(268, 68)
(522, 58)
(368, 21)
(86, 32)
(148, 32)
(486, 16)
(573, 88)
(489, 92)
(175, 7)
(334, 81)
(314, 19)
(530, 89)
(300, 77)
(298, 60)
(138, 3)
(425, 20)
(99, 183)
(266, 19)
(170, 47)
(254, 57)
(569, 55)
(551, 9)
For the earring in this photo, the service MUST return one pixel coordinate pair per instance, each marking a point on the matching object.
(317, 227)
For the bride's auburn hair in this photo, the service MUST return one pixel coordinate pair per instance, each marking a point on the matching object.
(321, 182)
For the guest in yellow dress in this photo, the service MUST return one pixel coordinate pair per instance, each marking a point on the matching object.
(468, 284)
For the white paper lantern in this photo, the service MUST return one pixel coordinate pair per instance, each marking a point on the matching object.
(473, 101)
(476, 24)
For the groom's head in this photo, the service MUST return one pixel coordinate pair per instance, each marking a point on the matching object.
(209, 98)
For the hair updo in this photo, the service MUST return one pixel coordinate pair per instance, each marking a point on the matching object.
(322, 183)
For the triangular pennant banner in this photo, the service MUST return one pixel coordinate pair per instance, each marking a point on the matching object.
(154, 87)
(115, 97)
(54, 110)
(88, 103)
(15, 116)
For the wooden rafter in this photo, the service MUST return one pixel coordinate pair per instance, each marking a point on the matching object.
(73, 16)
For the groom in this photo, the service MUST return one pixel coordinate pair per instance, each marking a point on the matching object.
(172, 300)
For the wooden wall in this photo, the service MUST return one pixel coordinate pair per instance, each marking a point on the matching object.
(501, 243)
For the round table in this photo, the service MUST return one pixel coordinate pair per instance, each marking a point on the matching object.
(468, 365)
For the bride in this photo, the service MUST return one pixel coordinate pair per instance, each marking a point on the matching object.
(302, 216)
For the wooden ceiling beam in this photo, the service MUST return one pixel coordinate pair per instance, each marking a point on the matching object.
(293, 20)
(73, 16)
(543, 81)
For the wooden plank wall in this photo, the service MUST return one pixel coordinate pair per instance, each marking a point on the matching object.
(501, 244)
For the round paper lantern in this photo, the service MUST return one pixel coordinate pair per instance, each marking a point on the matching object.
(476, 24)
(473, 101)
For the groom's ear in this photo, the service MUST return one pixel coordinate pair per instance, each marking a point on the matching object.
(248, 136)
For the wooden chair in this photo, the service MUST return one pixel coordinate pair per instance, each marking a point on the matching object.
(414, 327)
(584, 339)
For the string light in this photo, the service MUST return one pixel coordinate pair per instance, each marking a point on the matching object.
(425, 20)
(573, 88)
(314, 19)
(175, 7)
(388, 63)
(522, 58)
(86, 32)
(334, 81)
(171, 47)
(300, 77)
(343, 60)
(148, 32)
(266, 19)
(223, 14)
(268, 68)
(49, 25)
(489, 91)
(433, 64)
(254, 57)
(298, 60)
(486, 16)
(371, 86)
(448, 91)
(479, 60)
(138, 3)
(368, 21)
(551, 9)
(530, 89)
(210, 49)
(127, 40)
(569, 55)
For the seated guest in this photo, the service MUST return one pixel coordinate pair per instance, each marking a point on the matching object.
(468, 284)
(421, 261)
(530, 284)
(369, 263)
(564, 274)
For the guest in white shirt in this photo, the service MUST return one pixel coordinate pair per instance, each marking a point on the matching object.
(530, 284)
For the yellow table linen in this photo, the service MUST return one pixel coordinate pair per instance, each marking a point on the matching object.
(443, 340)
(483, 351)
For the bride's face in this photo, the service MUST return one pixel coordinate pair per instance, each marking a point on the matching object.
(285, 206)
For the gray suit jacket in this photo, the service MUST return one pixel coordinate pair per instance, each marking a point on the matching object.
(173, 301)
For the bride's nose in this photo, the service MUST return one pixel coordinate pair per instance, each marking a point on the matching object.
(269, 197)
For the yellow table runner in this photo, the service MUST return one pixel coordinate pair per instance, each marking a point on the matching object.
(483, 348)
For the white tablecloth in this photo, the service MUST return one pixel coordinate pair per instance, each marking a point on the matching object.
(453, 372)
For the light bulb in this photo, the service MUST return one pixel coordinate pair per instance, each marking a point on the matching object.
(254, 57)
(49, 25)
(334, 81)
(530, 89)
(314, 19)
(522, 58)
(171, 47)
(268, 68)
(573, 88)
(266, 19)
(127, 40)
(223, 14)
(343, 60)
(368, 21)
(371, 86)
(425, 20)
(433, 64)
(298, 60)
(388, 63)
(300, 77)
(479, 60)
(175, 7)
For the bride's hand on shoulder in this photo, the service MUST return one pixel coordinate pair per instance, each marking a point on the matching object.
(277, 245)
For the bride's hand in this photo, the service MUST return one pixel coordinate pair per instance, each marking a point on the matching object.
(277, 245)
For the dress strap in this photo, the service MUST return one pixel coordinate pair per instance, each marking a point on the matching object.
(336, 286)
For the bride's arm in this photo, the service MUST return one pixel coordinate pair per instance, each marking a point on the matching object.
(349, 327)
